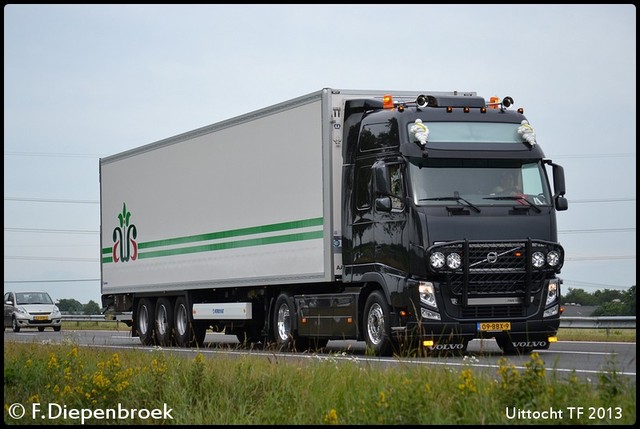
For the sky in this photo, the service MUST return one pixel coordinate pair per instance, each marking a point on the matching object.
(83, 82)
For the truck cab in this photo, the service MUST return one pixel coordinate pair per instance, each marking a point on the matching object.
(448, 204)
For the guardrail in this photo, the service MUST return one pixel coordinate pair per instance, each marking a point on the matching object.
(602, 322)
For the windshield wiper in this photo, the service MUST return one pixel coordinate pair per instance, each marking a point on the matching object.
(455, 197)
(515, 198)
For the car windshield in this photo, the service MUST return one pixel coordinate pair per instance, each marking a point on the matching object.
(478, 182)
(24, 298)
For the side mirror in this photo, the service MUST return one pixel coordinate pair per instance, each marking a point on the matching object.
(561, 203)
(558, 180)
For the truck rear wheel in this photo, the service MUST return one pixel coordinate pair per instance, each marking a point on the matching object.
(376, 325)
(145, 317)
(164, 322)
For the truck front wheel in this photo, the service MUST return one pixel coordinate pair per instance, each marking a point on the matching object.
(376, 325)
(145, 319)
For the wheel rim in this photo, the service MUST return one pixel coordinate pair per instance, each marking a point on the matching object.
(143, 320)
(181, 320)
(284, 322)
(375, 324)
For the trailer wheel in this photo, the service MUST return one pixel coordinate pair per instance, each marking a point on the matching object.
(183, 328)
(164, 322)
(376, 324)
(145, 316)
(283, 324)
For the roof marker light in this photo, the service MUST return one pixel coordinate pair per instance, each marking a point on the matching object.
(494, 102)
(387, 102)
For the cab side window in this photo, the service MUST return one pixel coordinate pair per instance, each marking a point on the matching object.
(397, 187)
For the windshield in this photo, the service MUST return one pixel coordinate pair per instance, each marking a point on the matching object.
(25, 298)
(478, 182)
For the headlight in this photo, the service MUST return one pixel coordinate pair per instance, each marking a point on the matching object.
(552, 291)
(427, 294)
(437, 260)
(22, 310)
(538, 259)
(454, 261)
(553, 258)
(551, 311)
(56, 311)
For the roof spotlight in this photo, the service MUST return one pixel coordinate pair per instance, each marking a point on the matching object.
(507, 101)
(422, 101)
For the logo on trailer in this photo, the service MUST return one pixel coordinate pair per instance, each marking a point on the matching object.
(125, 246)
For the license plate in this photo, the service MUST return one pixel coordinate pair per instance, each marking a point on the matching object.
(41, 317)
(494, 326)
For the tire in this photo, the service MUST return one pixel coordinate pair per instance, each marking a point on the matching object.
(41, 328)
(376, 325)
(186, 332)
(164, 322)
(283, 317)
(145, 321)
(14, 325)
(57, 328)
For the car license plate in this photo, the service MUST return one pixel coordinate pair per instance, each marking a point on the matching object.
(41, 317)
(494, 326)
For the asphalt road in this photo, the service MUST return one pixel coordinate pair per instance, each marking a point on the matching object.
(584, 359)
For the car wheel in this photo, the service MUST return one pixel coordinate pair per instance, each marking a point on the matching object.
(57, 328)
(14, 325)
(41, 328)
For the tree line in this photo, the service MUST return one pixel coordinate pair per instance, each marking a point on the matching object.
(609, 302)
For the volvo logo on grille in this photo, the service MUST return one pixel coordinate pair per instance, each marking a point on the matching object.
(492, 257)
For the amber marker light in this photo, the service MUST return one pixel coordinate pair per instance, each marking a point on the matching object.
(494, 102)
(427, 343)
(553, 339)
(387, 101)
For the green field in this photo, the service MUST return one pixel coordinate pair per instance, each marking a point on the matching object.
(67, 384)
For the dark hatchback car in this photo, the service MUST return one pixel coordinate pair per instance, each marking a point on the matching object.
(31, 310)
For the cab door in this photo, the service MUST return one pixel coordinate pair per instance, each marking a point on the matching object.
(390, 214)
